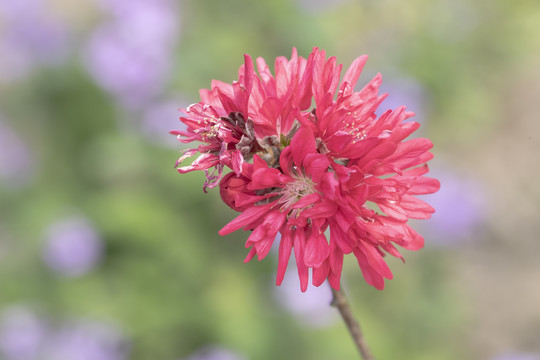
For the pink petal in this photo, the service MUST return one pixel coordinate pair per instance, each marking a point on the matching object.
(264, 235)
(411, 153)
(334, 280)
(395, 212)
(323, 209)
(265, 178)
(299, 240)
(354, 71)
(329, 186)
(306, 201)
(424, 185)
(317, 249)
(340, 239)
(250, 255)
(320, 273)
(227, 102)
(412, 240)
(302, 143)
(316, 165)
(285, 247)
(237, 162)
(304, 87)
(245, 219)
(416, 208)
(381, 151)
(270, 110)
(204, 161)
(371, 276)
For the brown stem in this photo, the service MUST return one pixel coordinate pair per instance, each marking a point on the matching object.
(340, 301)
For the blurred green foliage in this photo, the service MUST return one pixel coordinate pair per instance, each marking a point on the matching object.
(167, 279)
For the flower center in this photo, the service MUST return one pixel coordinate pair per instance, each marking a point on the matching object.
(209, 132)
(295, 190)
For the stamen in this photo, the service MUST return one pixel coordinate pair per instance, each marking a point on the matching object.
(353, 127)
(294, 191)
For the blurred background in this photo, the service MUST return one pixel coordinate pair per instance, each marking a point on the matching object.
(106, 253)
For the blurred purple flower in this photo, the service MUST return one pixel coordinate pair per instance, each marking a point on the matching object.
(15, 160)
(30, 36)
(517, 356)
(149, 23)
(72, 247)
(317, 6)
(404, 91)
(87, 341)
(130, 56)
(159, 119)
(215, 353)
(460, 208)
(22, 334)
(312, 307)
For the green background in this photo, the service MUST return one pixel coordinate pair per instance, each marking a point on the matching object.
(172, 285)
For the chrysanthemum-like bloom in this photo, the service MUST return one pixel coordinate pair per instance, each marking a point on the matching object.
(233, 122)
(332, 180)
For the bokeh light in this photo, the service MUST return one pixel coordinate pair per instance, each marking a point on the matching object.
(107, 253)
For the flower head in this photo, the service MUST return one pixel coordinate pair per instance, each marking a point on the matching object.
(332, 180)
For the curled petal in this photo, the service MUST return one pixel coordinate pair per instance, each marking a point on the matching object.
(203, 162)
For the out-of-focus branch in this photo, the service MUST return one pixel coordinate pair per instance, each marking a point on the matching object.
(340, 302)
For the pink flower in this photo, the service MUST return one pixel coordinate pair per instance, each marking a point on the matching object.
(317, 175)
